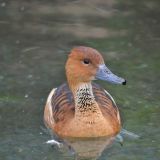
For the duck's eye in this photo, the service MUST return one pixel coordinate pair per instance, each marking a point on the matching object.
(86, 61)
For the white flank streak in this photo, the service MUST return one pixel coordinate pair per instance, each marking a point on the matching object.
(111, 98)
(50, 105)
(50, 95)
(118, 116)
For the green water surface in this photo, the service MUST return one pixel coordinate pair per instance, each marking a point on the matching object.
(35, 39)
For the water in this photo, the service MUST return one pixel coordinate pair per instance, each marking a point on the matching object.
(35, 38)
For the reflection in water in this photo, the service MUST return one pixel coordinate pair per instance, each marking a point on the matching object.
(83, 148)
(89, 148)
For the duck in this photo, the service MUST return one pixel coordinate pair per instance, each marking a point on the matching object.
(80, 108)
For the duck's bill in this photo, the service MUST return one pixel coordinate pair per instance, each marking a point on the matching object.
(103, 73)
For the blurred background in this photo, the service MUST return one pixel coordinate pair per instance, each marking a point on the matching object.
(35, 39)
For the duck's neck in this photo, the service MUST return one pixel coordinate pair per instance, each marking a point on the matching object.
(85, 104)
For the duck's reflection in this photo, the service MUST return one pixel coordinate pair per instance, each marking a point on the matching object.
(89, 148)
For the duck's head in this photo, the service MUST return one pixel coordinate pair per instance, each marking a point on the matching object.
(85, 64)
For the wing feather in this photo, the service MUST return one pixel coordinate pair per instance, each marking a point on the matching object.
(62, 102)
(105, 101)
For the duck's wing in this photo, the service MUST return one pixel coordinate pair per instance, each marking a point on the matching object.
(105, 102)
(59, 103)
(62, 102)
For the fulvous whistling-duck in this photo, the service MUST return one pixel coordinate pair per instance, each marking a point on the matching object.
(80, 108)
